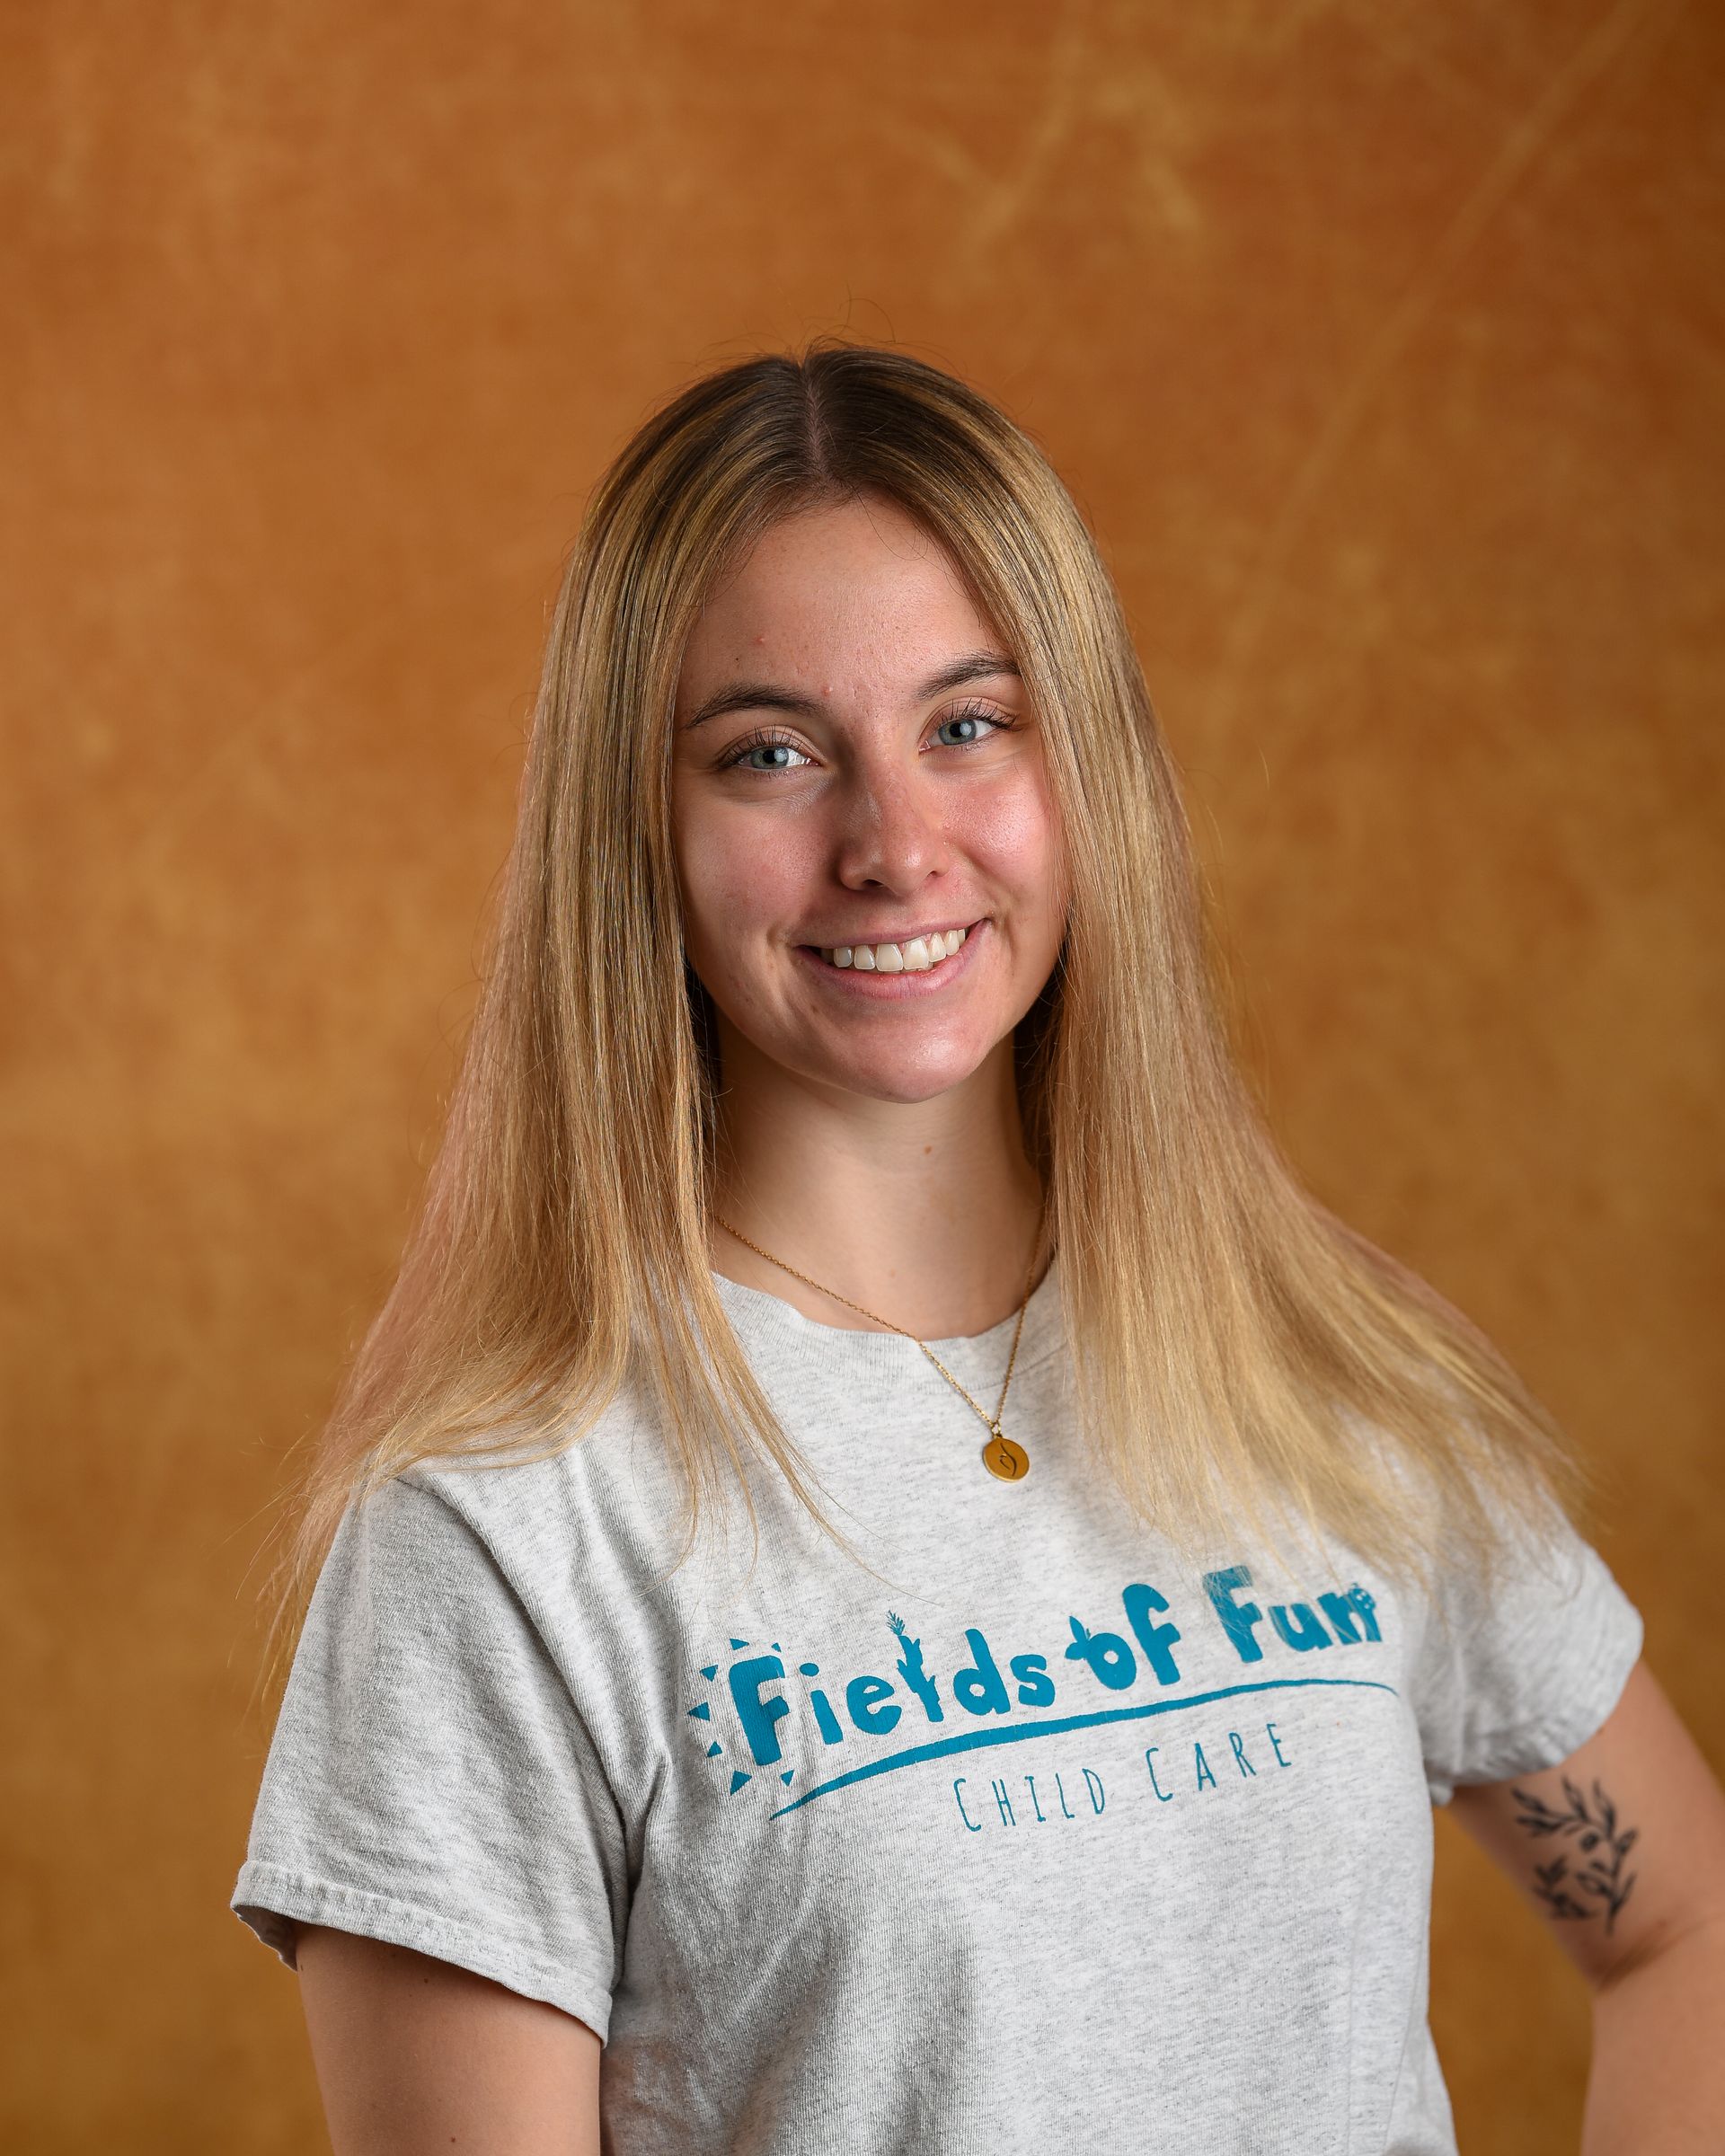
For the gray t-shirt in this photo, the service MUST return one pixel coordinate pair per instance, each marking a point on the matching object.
(1042, 1839)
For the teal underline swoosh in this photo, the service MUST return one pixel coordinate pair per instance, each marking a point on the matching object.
(982, 1740)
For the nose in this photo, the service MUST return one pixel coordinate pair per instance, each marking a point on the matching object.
(890, 826)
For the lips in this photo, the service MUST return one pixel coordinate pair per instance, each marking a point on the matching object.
(896, 987)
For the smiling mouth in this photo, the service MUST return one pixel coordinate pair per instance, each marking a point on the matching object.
(915, 954)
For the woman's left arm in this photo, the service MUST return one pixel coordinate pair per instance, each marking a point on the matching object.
(1622, 1849)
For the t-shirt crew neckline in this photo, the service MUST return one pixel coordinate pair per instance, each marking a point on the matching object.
(759, 1314)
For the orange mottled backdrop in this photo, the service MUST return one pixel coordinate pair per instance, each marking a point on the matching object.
(1383, 346)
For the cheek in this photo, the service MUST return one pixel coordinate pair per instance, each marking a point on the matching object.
(732, 885)
(1014, 832)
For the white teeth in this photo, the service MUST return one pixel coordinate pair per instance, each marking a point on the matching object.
(916, 956)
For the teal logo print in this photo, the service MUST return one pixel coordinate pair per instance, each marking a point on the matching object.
(806, 1734)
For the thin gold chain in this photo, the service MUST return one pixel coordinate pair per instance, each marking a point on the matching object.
(993, 1421)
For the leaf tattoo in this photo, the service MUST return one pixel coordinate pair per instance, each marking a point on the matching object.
(1598, 1884)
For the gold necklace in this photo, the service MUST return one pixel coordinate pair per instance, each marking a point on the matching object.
(1000, 1455)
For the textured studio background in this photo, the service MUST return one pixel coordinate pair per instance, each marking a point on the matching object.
(1383, 344)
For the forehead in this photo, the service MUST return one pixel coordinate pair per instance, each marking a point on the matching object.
(861, 582)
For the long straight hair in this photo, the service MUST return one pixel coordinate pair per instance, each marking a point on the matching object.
(1235, 1348)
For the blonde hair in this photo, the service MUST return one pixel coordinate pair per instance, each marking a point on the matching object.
(1232, 1342)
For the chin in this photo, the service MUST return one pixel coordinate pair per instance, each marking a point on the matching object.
(905, 1082)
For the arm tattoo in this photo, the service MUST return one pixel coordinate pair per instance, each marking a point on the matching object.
(1597, 1884)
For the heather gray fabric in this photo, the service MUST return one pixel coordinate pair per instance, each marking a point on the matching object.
(1041, 1839)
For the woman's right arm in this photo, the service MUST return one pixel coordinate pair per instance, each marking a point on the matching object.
(413, 2054)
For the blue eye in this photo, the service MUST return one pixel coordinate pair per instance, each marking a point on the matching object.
(968, 715)
(771, 737)
(746, 747)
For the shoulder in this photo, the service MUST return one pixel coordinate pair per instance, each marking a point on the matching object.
(591, 1494)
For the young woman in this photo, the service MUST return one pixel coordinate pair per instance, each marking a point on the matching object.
(886, 1579)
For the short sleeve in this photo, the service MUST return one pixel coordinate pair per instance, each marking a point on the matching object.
(1521, 1677)
(429, 1782)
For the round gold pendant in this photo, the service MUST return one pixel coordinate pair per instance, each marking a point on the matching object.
(1002, 1457)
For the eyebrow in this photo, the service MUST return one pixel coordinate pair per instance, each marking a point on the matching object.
(765, 695)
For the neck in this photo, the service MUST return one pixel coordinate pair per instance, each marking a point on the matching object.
(927, 1212)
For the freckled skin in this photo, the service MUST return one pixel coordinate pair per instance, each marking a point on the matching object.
(884, 815)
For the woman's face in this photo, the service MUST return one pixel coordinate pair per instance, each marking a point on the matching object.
(855, 762)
